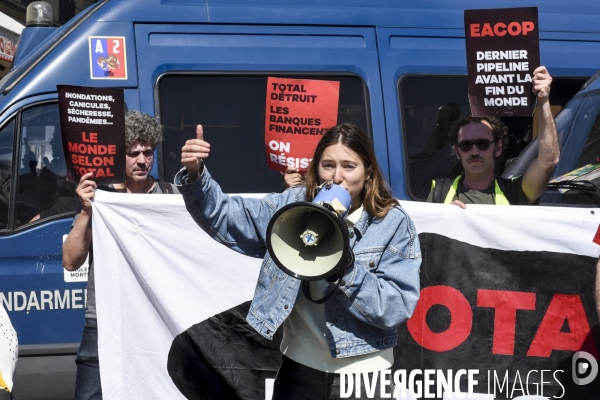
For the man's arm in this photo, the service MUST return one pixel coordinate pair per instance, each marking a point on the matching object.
(77, 245)
(538, 173)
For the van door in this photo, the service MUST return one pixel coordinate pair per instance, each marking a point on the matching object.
(216, 75)
(425, 90)
(45, 303)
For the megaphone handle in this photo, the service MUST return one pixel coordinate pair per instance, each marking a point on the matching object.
(306, 291)
(306, 284)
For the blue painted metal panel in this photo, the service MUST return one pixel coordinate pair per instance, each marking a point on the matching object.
(268, 49)
(29, 40)
(570, 58)
(32, 285)
(400, 55)
(70, 64)
(187, 11)
(554, 15)
(8, 112)
(31, 261)
(42, 307)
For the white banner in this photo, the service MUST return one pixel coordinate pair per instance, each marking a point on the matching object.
(9, 351)
(157, 273)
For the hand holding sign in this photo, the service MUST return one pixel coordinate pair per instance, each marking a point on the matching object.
(460, 204)
(193, 152)
(292, 177)
(541, 84)
(85, 191)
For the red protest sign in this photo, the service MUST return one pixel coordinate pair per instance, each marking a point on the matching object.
(298, 113)
(502, 52)
(92, 122)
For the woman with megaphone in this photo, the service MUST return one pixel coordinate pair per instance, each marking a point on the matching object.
(374, 292)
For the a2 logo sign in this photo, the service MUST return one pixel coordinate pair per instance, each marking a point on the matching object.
(584, 368)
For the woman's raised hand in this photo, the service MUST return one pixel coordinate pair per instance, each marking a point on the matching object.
(193, 152)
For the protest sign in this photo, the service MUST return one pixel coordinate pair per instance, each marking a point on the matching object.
(92, 122)
(502, 52)
(298, 113)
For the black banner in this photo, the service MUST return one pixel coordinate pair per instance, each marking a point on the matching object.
(502, 53)
(518, 317)
(509, 314)
(92, 122)
(224, 358)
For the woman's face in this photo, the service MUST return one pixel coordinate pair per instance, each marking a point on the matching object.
(345, 168)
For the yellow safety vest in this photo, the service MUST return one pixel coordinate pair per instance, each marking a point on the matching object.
(499, 196)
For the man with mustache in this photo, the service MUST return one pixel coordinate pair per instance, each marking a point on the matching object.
(142, 134)
(478, 143)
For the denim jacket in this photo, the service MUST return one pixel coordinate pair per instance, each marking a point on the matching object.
(375, 296)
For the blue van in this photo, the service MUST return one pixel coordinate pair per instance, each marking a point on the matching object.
(402, 73)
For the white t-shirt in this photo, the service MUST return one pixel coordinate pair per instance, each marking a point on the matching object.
(305, 333)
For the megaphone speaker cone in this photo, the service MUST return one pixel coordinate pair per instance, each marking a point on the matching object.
(318, 224)
(295, 224)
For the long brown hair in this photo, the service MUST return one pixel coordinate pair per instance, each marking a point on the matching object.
(377, 197)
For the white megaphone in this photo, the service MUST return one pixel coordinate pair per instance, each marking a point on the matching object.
(309, 240)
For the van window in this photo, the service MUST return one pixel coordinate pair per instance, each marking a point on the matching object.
(430, 104)
(580, 123)
(43, 190)
(588, 125)
(231, 109)
(7, 134)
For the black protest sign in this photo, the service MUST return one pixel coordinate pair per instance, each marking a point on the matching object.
(502, 53)
(92, 122)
